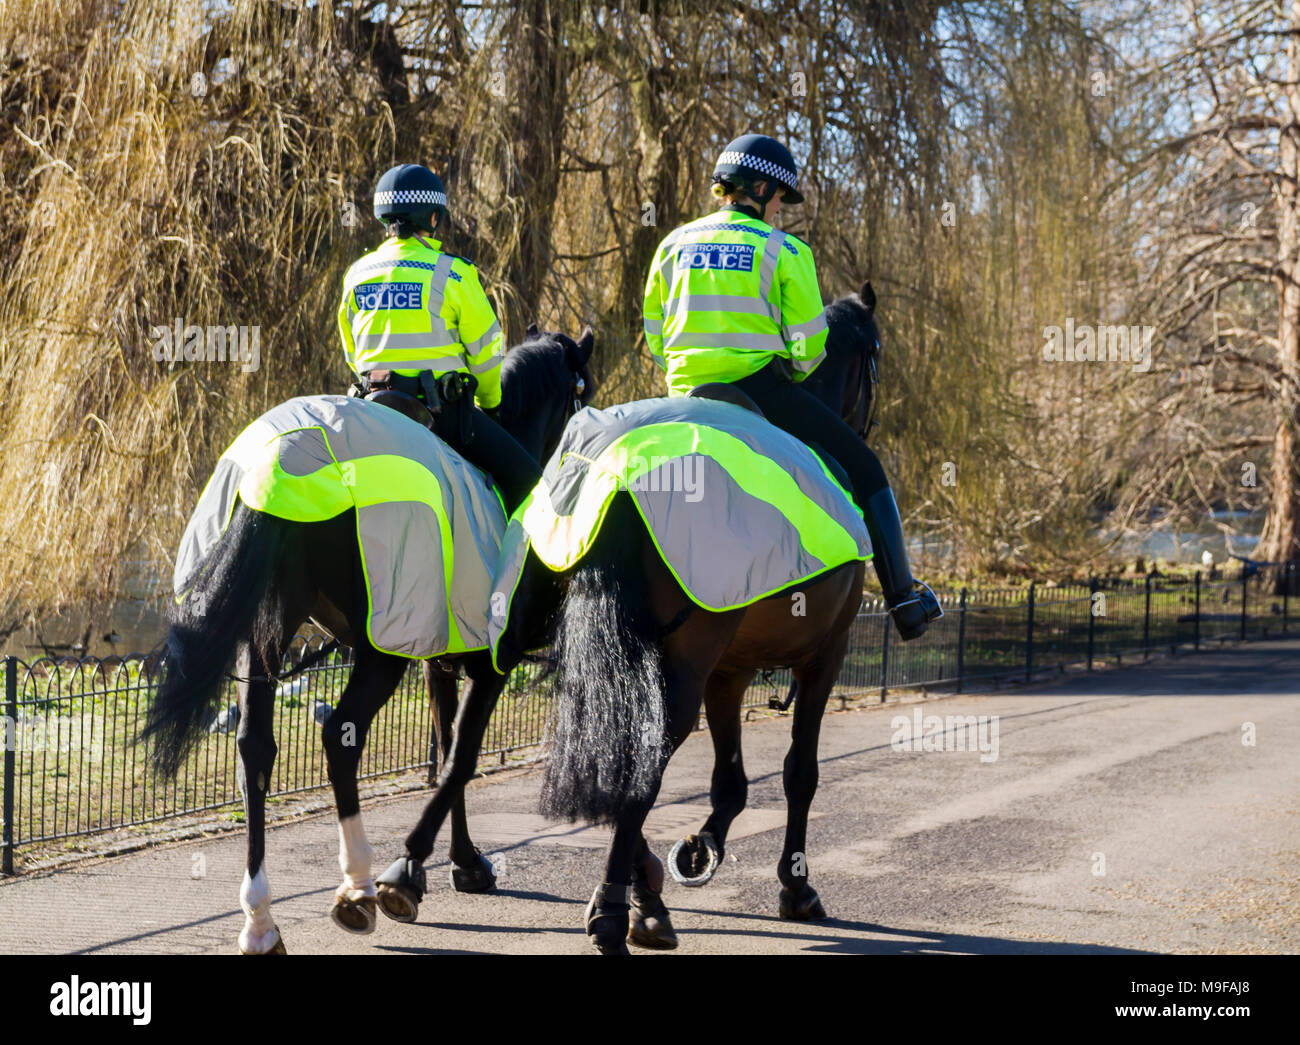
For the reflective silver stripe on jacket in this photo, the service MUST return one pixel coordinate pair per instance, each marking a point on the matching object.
(730, 339)
(445, 365)
(805, 366)
(390, 340)
(716, 303)
(486, 365)
(480, 343)
(810, 329)
(438, 289)
(767, 273)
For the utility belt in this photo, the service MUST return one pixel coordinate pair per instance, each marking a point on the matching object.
(454, 390)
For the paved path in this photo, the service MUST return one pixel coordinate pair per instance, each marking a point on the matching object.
(1123, 813)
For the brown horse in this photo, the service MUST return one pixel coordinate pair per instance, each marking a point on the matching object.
(637, 658)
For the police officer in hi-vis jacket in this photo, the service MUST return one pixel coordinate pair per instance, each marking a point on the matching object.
(415, 318)
(731, 299)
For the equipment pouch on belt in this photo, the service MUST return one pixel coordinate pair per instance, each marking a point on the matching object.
(456, 387)
(429, 386)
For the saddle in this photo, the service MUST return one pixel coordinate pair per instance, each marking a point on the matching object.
(724, 393)
(421, 398)
(403, 404)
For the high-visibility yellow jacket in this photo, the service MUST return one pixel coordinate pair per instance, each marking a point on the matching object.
(407, 307)
(726, 294)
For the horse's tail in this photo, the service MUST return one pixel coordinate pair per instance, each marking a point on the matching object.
(234, 599)
(608, 742)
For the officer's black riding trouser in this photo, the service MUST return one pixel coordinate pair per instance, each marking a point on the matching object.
(804, 416)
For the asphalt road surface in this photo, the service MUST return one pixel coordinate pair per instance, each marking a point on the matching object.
(1147, 809)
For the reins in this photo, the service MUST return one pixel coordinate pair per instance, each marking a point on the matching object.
(868, 373)
(309, 661)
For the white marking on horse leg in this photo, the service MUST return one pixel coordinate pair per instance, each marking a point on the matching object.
(355, 856)
(259, 934)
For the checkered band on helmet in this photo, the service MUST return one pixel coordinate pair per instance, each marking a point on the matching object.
(757, 163)
(424, 196)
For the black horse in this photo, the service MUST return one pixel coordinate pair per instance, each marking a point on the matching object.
(264, 579)
(634, 650)
(846, 379)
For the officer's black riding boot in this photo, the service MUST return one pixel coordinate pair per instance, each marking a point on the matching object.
(911, 607)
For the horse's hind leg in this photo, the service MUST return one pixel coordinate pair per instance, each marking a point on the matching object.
(624, 907)
(470, 872)
(695, 859)
(729, 788)
(255, 740)
(649, 922)
(815, 679)
(374, 677)
(608, 917)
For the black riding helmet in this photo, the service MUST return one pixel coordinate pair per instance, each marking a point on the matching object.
(413, 193)
(756, 157)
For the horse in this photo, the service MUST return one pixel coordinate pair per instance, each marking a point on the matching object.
(265, 578)
(639, 650)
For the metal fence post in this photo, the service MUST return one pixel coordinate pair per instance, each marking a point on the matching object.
(961, 641)
(1029, 635)
(884, 658)
(1092, 620)
(1146, 623)
(1244, 584)
(1288, 568)
(10, 745)
(1198, 610)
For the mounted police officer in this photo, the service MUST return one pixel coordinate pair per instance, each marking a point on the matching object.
(731, 299)
(414, 319)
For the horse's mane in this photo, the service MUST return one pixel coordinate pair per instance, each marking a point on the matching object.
(849, 324)
(538, 374)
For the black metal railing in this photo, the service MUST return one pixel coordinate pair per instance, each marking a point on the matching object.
(72, 767)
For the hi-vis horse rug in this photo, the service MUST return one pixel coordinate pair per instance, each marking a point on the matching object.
(429, 524)
(737, 508)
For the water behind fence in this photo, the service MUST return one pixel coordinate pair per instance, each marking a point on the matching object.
(72, 768)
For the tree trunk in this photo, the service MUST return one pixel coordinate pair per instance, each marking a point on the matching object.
(538, 69)
(1281, 536)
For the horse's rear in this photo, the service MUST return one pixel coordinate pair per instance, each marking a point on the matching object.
(637, 659)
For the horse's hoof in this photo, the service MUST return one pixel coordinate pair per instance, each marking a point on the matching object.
(609, 946)
(477, 878)
(693, 860)
(607, 920)
(802, 906)
(354, 912)
(277, 949)
(398, 902)
(650, 925)
(400, 890)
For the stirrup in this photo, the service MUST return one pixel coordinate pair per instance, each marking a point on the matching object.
(913, 614)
